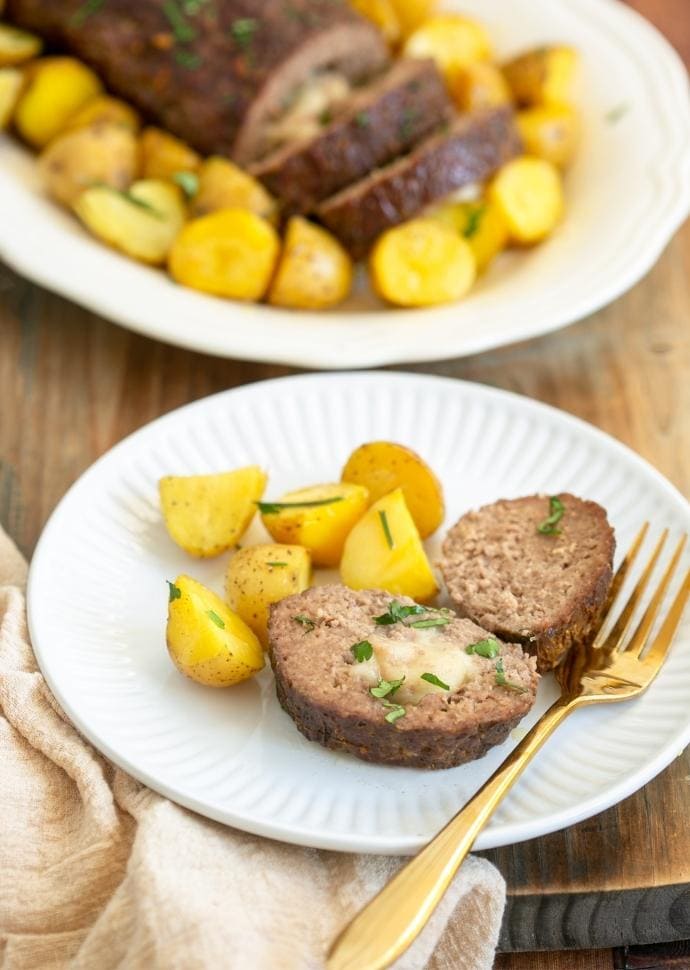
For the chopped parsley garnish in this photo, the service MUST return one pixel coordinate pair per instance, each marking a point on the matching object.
(272, 508)
(362, 651)
(86, 10)
(428, 624)
(615, 114)
(488, 648)
(474, 221)
(141, 203)
(276, 564)
(436, 681)
(548, 526)
(182, 31)
(362, 119)
(243, 31)
(386, 529)
(501, 680)
(397, 613)
(174, 592)
(218, 620)
(386, 687)
(188, 182)
(187, 59)
(305, 621)
(192, 7)
(396, 711)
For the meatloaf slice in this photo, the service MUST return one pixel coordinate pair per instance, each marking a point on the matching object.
(379, 123)
(326, 686)
(219, 73)
(470, 150)
(545, 589)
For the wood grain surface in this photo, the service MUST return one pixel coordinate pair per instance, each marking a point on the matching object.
(72, 384)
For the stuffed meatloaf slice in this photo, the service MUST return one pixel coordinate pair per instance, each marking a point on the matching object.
(403, 689)
(376, 124)
(535, 570)
(470, 150)
(219, 75)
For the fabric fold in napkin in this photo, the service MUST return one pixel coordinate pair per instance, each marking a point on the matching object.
(97, 872)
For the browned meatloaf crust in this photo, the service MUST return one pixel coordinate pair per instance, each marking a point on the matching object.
(471, 150)
(380, 122)
(214, 77)
(322, 687)
(547, 592)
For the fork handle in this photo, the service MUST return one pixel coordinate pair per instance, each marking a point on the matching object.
(384, 929)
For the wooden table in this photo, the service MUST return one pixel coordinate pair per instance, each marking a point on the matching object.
(72, 384)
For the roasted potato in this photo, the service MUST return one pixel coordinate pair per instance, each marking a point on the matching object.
(529, 193)
(383, 14)
(550, 131)
(17, 46)
(260, 575)
(103, 108)
(207, 514)
(318, 518)
(11, 81)
(142, 222)
(56, 88)
(542, 76)
(162, 155)
(479, 85)
(383, 466)
(412, 14)
(481, 223)
(384, 551)
(100, 154)
(222, 185)
(229, 253)
(207, 641)
(422, 263)
(314, 271)
(451, 40)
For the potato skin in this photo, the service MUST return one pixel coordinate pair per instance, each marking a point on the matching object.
(57, 87)
(258, 576)
(101, 153)
(103, 108)
(550, 131)
(223, 185)
(314, 271)
(400, 566)
(17, 46)
(542, 76)
(481, 223)
(383, 466)
(207, 514)
(451, 40)
(162, 154)
(383, 14)
(529, 193)
(479, 85)
(11, 83)
(206, 641)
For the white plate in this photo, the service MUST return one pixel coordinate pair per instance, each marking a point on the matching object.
(98, 599)
(627, 193)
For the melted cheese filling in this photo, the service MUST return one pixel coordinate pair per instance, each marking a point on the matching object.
(305, 116)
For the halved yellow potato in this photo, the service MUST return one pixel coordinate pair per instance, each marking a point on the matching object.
(384, 551)
(451, 40)
(383, 466)
(260, 575)
(223, 185)
(229, 253)
(314, 271)
(207, 514)
(318, 518)
(383, 14)
(100, 154)
(542, 76)
(17, 46)
(162, 154)
(529, 193)
(479, 85)
(142, 222)
(104, 108)
(422, 263)
(56, 88)
(207, 641)
(481, 223)
(550, 131)
(413, 13)
(11, 82)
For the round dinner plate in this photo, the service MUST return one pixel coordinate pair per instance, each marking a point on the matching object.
(627, 193)
(98, 599)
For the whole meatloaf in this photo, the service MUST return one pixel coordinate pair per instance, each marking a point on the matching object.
(531, 575)
(377, 124)
(355, 685)
(473, 147)
(217, 73)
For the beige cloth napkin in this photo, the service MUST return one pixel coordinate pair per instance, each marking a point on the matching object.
(97, 872)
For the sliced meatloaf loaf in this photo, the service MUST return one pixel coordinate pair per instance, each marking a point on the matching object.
(354, 684)
(534, 570)
(377, 124)
(220, 73)
(471, 149)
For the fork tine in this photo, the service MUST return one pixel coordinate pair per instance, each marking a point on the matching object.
(620, 577)
(620, 628)
(655, 657)
(639, 638)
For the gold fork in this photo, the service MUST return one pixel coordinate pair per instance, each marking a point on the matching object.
(612, 668)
